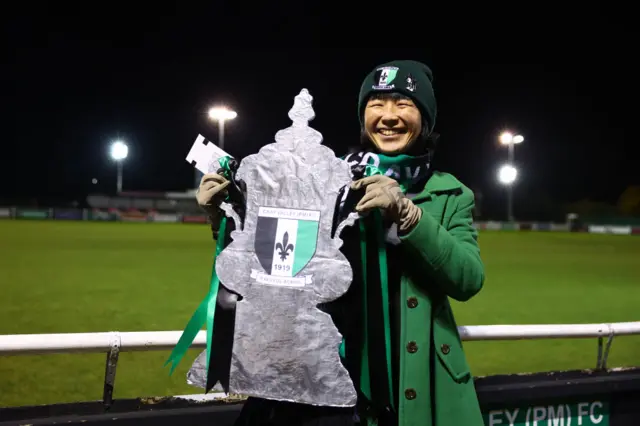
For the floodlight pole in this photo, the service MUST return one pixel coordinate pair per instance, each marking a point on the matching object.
(221, 133)
(510, 203)
(510, 217)
(119, 181)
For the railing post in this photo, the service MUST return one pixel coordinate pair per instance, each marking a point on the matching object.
(603, 355)
(110, 370)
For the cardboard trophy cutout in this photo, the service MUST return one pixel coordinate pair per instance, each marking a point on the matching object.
(283, 261)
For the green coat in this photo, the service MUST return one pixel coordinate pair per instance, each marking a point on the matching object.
(444, 248)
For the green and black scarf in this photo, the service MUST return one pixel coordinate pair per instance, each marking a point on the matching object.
(374, 342)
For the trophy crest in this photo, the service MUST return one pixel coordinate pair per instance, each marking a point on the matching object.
(284, 260)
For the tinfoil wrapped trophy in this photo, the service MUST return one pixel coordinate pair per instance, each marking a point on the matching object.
(283, 259)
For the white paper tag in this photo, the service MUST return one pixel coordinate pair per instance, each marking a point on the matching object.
(204, 155)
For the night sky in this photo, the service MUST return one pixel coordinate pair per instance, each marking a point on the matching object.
(72, 86)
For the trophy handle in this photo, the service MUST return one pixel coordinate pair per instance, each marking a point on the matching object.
(229, 211)
(345, 214)
(349, 221)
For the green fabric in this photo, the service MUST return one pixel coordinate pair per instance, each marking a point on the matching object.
(403, 77)
(406, 170)
(454, 256)
(205, 312)
(384, 285)
(445, 257)
(383, 277)
(365, 383)
(365, 374)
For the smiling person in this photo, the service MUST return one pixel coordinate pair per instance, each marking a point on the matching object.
(401, 345)
(432, 255)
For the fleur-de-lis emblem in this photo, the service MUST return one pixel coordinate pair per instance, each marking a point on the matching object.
(284, 248)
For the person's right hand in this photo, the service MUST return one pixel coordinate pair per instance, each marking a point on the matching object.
(212, 189)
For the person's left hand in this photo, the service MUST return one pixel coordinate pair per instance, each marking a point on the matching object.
(385, 193)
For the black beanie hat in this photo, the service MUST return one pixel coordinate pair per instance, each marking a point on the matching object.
(410, 78)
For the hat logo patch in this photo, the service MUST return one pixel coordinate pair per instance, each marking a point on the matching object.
(384, 78)
(412, 85)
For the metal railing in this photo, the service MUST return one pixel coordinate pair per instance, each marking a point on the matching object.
(115, 342)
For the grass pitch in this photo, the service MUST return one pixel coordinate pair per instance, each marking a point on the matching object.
(62, 277)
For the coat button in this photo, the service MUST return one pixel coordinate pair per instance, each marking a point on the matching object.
(410, 393)
(412, 347)
(445, 348)
(412, 302)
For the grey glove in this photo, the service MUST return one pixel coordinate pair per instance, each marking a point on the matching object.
(385, 193)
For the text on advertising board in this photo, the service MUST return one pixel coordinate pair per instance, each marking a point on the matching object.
(580, 414)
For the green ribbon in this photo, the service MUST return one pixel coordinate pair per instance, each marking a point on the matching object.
(205, 312)
(365, 379)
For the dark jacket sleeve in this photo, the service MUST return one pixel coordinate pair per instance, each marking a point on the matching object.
(450, 254)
